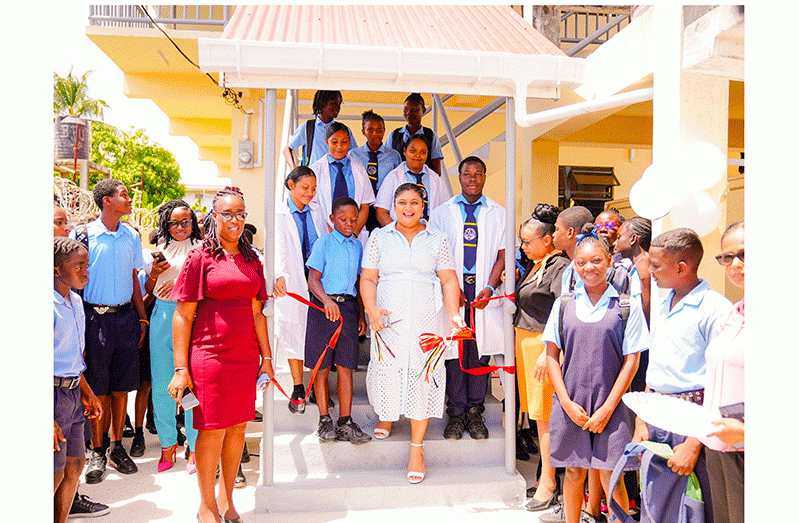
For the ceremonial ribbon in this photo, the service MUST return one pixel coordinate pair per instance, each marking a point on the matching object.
(479, 371)
(330, 344)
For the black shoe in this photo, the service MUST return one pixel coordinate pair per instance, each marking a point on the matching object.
(119, 459)
(526, 437)
(138, 446)
(241, 479)
(534, 505)
(150, 425)
(326, 431)
(298, 394)
(83, 507)
(95, 472)
(475, 423)
(350, 432)
(128, 432)
(520, 452)
(245, 454)
(312, 399)
(454, 427)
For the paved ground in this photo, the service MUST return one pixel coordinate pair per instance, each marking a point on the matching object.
(173, 495)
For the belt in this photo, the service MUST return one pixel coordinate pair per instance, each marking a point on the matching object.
(68, 383)
(693, 396)
(107, 309)
(340, 298)
(470, 279)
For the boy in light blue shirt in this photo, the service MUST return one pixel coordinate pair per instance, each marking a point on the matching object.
(326, 106)
(689, 317)
(334, 268)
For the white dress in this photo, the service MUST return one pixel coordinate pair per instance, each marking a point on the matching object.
(410, 289)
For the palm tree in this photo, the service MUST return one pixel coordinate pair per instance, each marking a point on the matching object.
(71, 97)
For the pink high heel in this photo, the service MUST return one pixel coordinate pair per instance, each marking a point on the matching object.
(165, 464)
(191, 465)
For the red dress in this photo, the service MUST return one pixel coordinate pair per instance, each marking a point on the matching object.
(224, 352)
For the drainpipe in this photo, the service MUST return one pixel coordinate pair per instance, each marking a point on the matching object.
(590, 106)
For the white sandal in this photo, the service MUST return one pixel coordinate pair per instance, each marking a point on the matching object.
(381, 433)
(415, 477)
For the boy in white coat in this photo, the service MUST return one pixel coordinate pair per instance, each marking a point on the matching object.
(475, 226)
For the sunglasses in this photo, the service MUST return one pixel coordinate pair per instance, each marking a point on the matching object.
(726, 258)
(610, 226)
(185, 224)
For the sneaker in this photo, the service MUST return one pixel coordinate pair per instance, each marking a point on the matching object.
(137, 448)
(241, 479)
(83, 507)
(555, 516)
(475, 422)
(350, 432)
(454, 427)
(95, 472)
(119, 459)
(326, 431)
(298, 394)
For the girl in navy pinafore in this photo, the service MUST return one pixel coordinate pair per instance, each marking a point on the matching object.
(589, 424)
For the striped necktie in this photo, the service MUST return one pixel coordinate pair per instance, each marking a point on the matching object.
(423, 189)
(372, 169)
(470, 238)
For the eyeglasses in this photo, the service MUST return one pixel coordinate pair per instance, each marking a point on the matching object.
(184, 224)
(726, 258)
(227, 216)
(606, 225)
(524, 242)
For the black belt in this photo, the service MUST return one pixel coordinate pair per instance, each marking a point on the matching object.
(340, 298)
(693, 396)
(107, 309)
(470, 279)
(67, 383)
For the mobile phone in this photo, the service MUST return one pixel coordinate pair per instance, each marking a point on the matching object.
(157, 256)
(189, 400)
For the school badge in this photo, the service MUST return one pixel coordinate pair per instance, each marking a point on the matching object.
(469, 234)
(371, 170)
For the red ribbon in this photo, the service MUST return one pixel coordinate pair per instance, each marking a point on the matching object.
(330, 345)
(479, 371)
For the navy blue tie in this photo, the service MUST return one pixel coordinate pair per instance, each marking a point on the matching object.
(373, 170)
(341, 188)
(470, 238)
(303, 216)
(424, 190)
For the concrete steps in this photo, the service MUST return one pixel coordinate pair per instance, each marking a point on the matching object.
(310, 476)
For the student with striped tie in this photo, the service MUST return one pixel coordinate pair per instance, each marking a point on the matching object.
(377, 157)
(413, 170)
(475, 227)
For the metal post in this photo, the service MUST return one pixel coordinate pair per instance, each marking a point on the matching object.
(509, 306)
(595, 35)
(457, 156)
(269, 174)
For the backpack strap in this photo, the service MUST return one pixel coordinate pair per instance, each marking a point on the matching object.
(397, 142)
(625, 302)
(82, 235)
(310, 130)
(632, 449)
(429, 135)
(564, 299)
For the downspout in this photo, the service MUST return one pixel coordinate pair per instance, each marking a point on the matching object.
(525, 119)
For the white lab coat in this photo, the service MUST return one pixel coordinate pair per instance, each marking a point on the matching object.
(489, 329)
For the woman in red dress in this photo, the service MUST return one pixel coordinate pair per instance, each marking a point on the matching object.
(221, 347)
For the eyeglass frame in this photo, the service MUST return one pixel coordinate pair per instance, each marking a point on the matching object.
(606, 225)
(186, 224)
(730, 256)
(228, 216)
(524, 242)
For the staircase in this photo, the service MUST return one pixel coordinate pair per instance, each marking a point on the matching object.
(326, 477)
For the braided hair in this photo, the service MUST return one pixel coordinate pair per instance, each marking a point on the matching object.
(211, 243)
(321, 98)
(63, 248)
(165, 215)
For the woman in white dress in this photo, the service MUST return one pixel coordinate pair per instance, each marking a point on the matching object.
(409, 287)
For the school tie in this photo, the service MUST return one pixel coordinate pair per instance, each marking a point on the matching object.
(470, 238)
(303, 216)
(373, 170)
(423, 189)
(341, 188)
